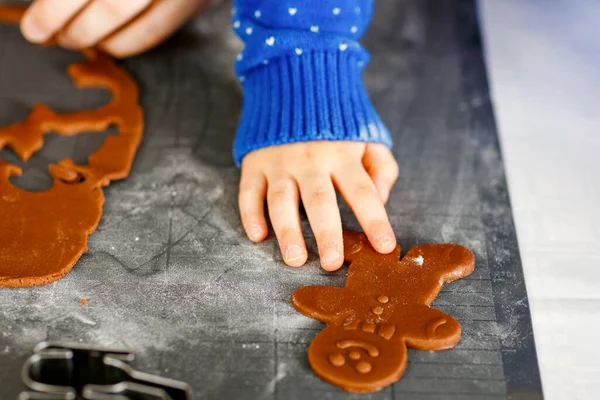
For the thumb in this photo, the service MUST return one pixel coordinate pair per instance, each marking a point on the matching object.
(382, 167)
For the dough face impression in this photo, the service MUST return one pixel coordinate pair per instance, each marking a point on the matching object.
(43, 234)
(382, 310)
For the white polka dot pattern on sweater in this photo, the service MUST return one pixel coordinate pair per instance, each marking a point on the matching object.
(296, 53)
(276, 28)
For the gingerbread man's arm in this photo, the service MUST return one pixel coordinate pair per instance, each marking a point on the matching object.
(323, 303)
(437, 264)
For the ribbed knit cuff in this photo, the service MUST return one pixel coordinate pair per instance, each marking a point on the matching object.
(314, 95)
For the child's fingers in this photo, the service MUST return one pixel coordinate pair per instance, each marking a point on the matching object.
(44, 18)
(153, 26)
(320, 203)
(362, 196)
(98, 20)
(382, 167)
(253, 189)
(283, 202)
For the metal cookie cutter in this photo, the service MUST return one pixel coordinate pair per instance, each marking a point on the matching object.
(74, 372)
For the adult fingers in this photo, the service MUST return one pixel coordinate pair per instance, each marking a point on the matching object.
(98, 20)
(320, 203)
(253, 189)
(283, 202)
(44, 18)
(381, 165)
(152, 27)
(360, 193)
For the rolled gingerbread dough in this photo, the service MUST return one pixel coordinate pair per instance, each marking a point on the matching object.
(43, 234)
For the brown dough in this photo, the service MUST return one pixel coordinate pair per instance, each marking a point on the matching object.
(43, 234)
(11, 13)
(382, 310)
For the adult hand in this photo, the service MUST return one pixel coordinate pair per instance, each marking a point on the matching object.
(119, 27)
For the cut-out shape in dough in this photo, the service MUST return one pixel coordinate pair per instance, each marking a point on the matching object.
(383, 309)
(43, 234)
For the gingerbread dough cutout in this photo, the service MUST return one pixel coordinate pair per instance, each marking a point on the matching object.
(382, 310)
(43, 234)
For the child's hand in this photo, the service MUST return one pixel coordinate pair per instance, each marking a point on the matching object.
(119, 27)
(362, 173)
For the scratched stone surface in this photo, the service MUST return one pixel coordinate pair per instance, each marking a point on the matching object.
(169, 272)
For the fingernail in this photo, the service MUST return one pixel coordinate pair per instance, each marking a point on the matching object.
(293, 253)
(330, 257)
(384, 242)
(32, 31)
(256, 232)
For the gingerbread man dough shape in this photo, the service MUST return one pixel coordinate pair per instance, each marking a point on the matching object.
(382, 310)
(43, 234)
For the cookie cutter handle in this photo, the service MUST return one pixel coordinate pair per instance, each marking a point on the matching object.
(139, 384)
(43, 396)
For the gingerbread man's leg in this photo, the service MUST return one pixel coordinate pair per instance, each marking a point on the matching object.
(426, 328)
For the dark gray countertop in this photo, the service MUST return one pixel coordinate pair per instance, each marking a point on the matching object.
(169, 272)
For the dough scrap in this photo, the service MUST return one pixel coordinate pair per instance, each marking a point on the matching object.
(44, 234)
(383, 309)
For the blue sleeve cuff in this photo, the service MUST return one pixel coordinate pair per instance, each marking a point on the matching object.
(306, 96)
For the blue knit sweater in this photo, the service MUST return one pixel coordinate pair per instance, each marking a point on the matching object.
(301, 73)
